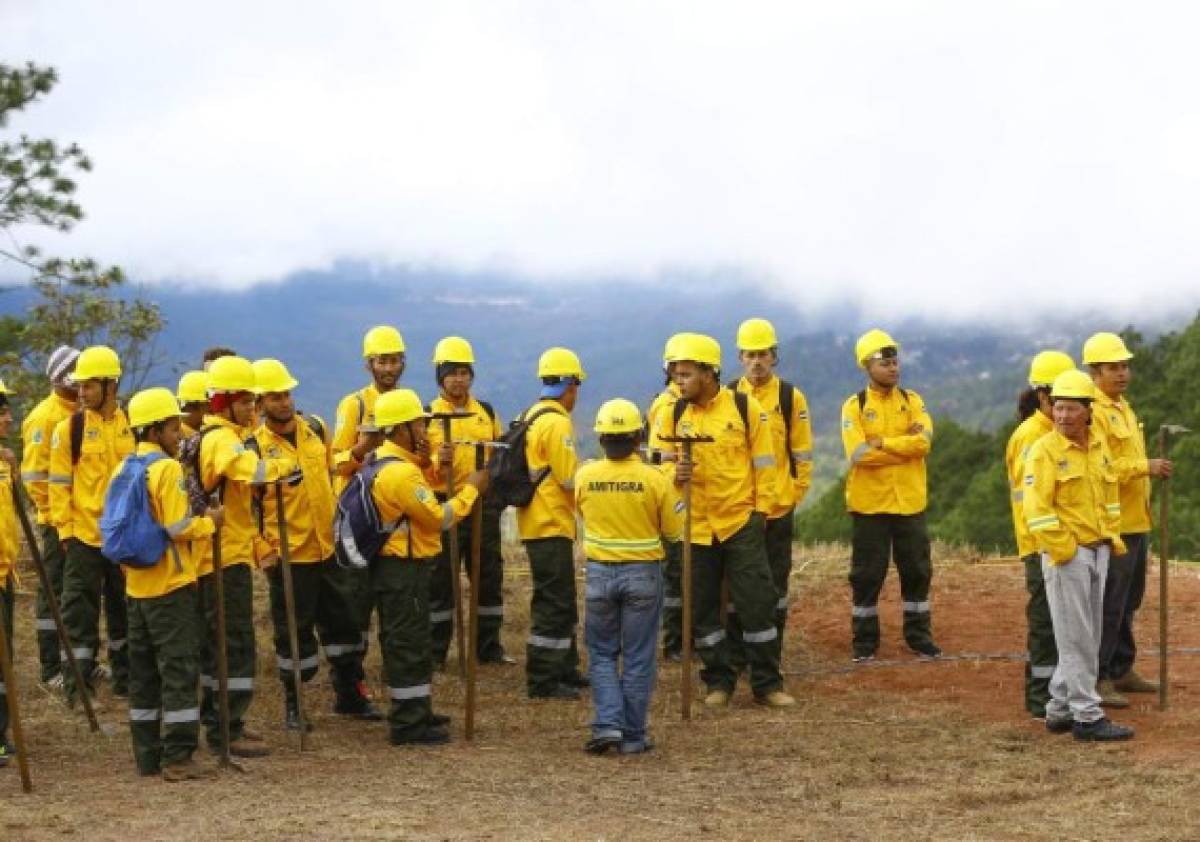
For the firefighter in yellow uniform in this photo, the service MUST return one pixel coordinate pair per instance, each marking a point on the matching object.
(733, 490)
(36, 432)
(1073, 510)
(85, 449)
(1034, 408)
(355, 434)
(164, 663)
(225, 467)
(454, 369)
(628, 508)
(791, 434)
(1113, 418)
(399, 574)
(672, 612)
(547, 528)
(192, 393)
(887, 433)
(9, 547)
(325, 595)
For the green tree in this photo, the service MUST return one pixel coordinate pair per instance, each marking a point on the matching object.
(78, 301)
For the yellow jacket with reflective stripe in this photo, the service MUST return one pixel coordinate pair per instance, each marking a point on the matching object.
(891, 479)
(169, 504)
(735, 475)
(550, 441)
(627, 509)
(400, 490)
(1015, 456)
(789, 491)
(36, 432)
(479, 427)
(345, 433)
(1126, 441)
(223, 455)
(309, 505)
(1071, 496)
(77, 491)
(9, 544)
(666, 397)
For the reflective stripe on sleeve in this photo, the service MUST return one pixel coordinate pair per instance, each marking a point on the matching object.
(260, 473)
(35, 476)
(178, 526)
(59, 479)
(1038, 524)
(447, 516)
(764, 461)
(864, 611)
(859, 452)
(143, 714)
(802, 455)
(400, 694)
(549, 642)
(654, 543)
(916, 607)
(171, 717)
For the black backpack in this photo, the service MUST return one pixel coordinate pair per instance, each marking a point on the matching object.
(508, 469)
(862, 399)
(787, 402)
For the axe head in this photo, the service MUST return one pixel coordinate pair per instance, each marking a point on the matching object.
(1174, 429)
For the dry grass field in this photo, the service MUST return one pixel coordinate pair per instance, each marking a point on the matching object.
(901, 749)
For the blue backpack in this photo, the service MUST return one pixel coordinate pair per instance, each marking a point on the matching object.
(359, 532)
(130, 534)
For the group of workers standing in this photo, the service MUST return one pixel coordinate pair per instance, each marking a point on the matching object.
(236, 476)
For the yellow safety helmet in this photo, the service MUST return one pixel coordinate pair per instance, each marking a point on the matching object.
(382, 339)
(756, 335)
(231, 374)
(453, 349)
(618, 416)
(671, 349)
(560, 362)
(1105, 348)
(1046, 366)
(399, 406)
(1073, 384)
(98, 362)
(150, 406)
(272, 376)
(193, 387)
(871, 343)
(698, 348)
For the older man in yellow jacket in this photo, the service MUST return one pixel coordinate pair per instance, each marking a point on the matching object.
(887, 433)
(1073, 510)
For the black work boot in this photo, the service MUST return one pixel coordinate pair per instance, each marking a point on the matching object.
(1103, 730)
(349, 696)
(291, 716)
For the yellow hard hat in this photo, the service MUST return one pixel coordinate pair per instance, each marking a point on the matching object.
(193, 387)
(398, 406)
(560, 362)
(1073, 384)
(671, 349)
(98, 362)
(871, 343)
(1047, 365)
(382, 339)
(272, 376)
(698, 348)
(453, 349)
(756, 335)
(1105, 348)
(618, 416)
(231, 374)
(150, 406)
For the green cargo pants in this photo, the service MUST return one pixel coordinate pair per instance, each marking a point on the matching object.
(491, 590)
(672, 613)
(743, 557)
(87, 575)
(778, 540)
(401, 590)
(325, 606)
(551, 655)
(164, 667)
(47, 633)
(238, 582)
(6, 608)
(1043, 653)
(876, 539)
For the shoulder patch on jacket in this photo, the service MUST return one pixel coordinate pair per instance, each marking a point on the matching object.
(422, 493)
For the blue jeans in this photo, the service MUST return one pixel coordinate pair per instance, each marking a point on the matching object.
(624, 601)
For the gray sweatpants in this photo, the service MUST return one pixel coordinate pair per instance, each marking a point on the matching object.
(1075, 591)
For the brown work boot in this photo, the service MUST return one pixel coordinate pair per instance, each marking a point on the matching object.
(187, 770)
(775, 699)
(1109, 697)
(241, 747)
(1131, 682)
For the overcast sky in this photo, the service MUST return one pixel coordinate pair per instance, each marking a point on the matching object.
(960, 157)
